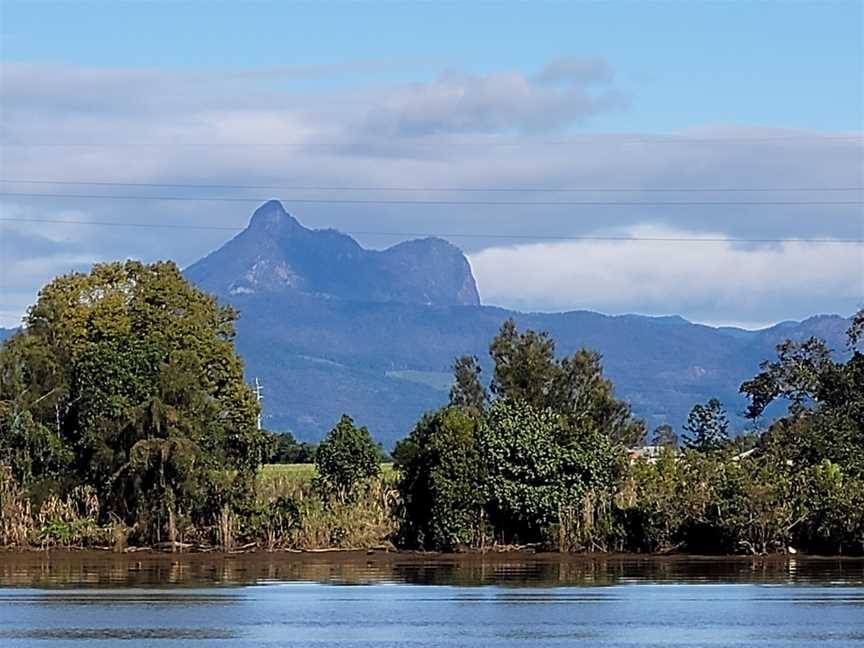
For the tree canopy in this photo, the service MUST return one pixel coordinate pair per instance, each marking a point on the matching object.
(826, 402)
(126, 378)
(525, 369)
(707, 428)
(346, 457)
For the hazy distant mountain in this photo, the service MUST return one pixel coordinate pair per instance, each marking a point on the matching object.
(330, 327)
(6, 333)
(276, 254)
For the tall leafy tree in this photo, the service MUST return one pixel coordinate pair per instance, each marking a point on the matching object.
(794, 376)
(526, 370)
(826, 411)
(664, 436)
(537, 465)
(346, 457)
(587, 397)
(525, 367)
(707, 428)
(855, 334)
(128, 374)
(443, 480)
(467, 390)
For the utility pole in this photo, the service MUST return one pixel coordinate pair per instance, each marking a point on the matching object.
(258, 398)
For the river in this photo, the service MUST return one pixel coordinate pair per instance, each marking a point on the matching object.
(93, 599)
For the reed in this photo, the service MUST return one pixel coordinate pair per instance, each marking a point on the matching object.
(16, 518)
(367, 519)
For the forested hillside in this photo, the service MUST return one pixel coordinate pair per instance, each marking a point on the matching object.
(329, 327)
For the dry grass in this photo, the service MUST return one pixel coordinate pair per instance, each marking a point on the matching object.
(16, 519)
(303, 472)
(367, 520)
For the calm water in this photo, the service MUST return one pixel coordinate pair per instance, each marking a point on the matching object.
(103, 600)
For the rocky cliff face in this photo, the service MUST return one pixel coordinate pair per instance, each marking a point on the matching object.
(276, 254)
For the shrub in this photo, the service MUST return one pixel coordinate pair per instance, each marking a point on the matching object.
(346, 457)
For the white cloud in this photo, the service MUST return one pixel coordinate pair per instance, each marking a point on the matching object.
(480, 130)
(560, 95)
(710, 281)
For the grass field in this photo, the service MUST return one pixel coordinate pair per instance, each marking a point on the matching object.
(302, 472)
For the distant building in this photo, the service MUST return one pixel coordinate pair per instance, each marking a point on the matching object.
(649, 453)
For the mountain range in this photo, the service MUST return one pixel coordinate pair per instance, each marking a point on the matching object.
(329, 327)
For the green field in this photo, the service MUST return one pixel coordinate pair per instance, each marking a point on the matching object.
(302, 472)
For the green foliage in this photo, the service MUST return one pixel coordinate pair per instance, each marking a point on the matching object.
(525, 366)
(796, 375)
(467, 391)
(126, 379)
(834, 506)
(537, 466)
(826, 418)
(588, 399)
(443, 480)
(709, 504)
(707, 429)
(287, 450)
(665, 437)
(508, 474)
(345, 458)
(275, 522)
(526, 370)
(856, 330)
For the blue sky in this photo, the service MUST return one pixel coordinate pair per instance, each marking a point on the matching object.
(432, 94)
(769, 63)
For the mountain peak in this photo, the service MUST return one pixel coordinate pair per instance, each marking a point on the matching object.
(275, 253)
(272, 216)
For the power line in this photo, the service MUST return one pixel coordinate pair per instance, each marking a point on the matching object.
(535, 237)
(486, 203)
(179, 185)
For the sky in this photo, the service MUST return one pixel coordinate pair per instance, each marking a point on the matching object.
(634, 107)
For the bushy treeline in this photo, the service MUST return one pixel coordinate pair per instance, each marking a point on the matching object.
(124, 417)
(125, 381)
(539, 458)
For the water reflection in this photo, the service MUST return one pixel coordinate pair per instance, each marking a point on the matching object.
(92, 569)
(249, 601)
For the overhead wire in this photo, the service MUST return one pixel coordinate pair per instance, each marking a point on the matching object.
(657, 239)
(487, 203)
(454, 189)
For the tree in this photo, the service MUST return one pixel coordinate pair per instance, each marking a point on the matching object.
(510, 473)
(707, 427)
(287, 450)
(128, 375)
(443, 480)
(467, 391)
(794, 376)
(856, 330)
(526, 370)
(346, 457)
(525, 367)
(537, 466)
(665, 437)
(826, 414)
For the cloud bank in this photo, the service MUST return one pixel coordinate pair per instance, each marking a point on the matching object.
(507, 129)
(711, 280)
